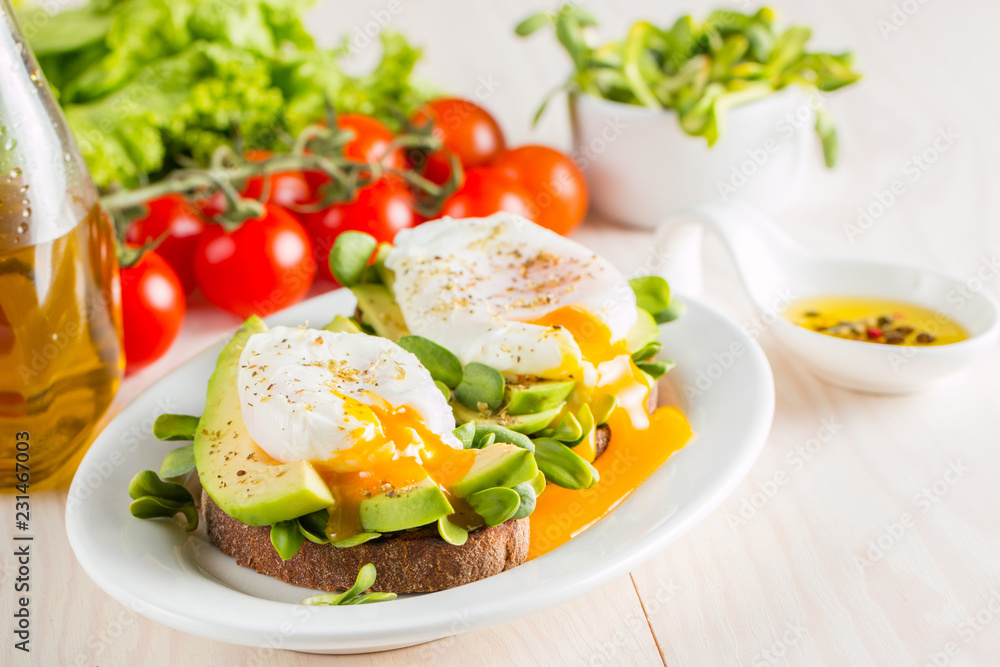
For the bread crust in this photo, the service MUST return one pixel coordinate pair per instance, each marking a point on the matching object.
(409, 562)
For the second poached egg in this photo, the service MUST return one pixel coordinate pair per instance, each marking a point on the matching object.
(477, 286)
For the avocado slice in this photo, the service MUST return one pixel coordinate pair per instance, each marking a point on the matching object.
(497, 465)
(237, 474)
(380, 311)
(399, 509)
(644, 331)
(528, 398)
(526, 424)
(341, 324)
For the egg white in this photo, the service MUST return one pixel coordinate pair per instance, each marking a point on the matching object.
(305, 394)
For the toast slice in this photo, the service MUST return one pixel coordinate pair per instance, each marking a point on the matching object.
(415, 561)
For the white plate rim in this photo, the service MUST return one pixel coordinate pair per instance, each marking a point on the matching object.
(413, 622)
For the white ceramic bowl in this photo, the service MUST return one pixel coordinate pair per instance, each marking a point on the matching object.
(777, 272)
(888, 369)
(642, 167)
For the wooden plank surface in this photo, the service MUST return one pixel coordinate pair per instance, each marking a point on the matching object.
(77, 624)
(866, 534)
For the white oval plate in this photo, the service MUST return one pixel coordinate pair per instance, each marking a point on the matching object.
(184, 582)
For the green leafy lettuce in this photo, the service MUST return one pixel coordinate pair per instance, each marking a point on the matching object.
(147, 83)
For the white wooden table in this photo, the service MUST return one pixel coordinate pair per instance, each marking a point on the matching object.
(867, 533)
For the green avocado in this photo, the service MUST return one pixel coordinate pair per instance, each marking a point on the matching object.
(341, 324)
(399, 509)
(526, 424)
(528, 398)
(233, 470)
(644, 331)
(500, 464)
(380, 311)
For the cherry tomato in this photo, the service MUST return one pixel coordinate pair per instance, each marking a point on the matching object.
(487, 191)
(182, 223)
(287, 189)
(557, 187)
(264, 265)
(380, 209)
(153, 308)
(434, 166)
(370, 144)
(371, 140)
(467, 129)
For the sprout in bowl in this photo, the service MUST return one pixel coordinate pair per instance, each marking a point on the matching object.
(645, 108)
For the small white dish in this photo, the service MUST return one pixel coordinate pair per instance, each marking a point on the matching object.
(776, 272)
(184, 582)
(641, 167)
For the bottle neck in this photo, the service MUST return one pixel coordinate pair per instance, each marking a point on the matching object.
(45, 189)
(9, 19)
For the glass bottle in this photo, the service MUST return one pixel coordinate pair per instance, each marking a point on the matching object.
(60, 314)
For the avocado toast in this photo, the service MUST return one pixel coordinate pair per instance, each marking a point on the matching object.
(433, 514)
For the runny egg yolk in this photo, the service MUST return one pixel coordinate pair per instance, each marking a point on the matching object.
(400, 452)
(639, 444)
(615, 375)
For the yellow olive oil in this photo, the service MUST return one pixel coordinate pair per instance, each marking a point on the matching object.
(876, 321)
(60, 351)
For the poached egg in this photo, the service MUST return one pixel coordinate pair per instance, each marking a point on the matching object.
(481, 286)
(347, 399)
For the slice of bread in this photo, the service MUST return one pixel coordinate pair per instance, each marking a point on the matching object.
(408, 562)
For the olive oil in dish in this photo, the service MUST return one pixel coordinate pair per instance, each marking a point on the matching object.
(876, 321)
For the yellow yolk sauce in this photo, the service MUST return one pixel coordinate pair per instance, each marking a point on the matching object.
(633, 455)
(620, 378)
(378, 465)
(875, 321)
(639, 443)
